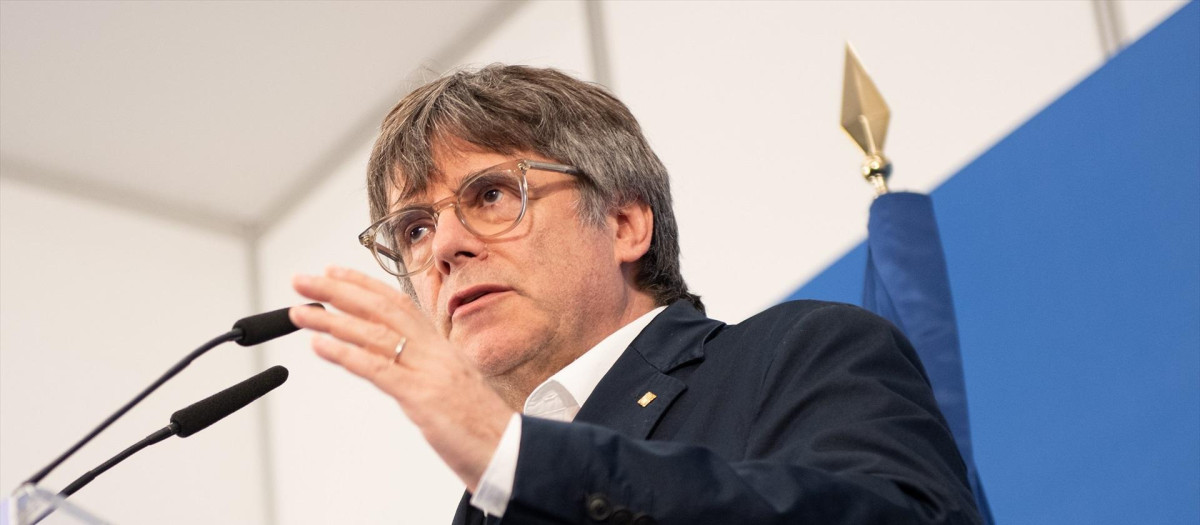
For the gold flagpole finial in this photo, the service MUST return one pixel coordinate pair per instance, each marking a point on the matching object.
(865, 118)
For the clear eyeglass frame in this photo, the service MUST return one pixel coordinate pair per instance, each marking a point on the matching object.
(390, 258)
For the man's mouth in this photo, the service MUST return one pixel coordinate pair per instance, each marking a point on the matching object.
(470, 295)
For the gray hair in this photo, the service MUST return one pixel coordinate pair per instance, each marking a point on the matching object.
(509, 109)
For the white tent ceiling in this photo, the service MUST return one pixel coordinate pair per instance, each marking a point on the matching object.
(217, 112)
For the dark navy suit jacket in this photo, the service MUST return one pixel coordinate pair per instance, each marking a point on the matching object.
(809, 412)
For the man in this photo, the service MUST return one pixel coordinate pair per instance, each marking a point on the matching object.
(531, 227)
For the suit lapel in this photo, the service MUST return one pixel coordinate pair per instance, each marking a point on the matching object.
(674, 338)
(466, 514)
(637, 390)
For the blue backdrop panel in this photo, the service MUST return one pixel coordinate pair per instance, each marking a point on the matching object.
(1074, 255)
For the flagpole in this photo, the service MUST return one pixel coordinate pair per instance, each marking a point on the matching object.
(865, 118)
(907, 281)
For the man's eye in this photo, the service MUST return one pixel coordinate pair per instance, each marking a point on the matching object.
(411, 231)
(491, 196)
(491, 190)
(415, 233)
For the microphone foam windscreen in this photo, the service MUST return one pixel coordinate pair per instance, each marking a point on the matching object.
(201, 414)
(264, 327)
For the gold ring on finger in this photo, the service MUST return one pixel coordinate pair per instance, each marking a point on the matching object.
(399, 348)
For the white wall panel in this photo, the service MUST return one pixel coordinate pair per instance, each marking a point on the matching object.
(95, 303)
(545, 34)
(1139, 16)
(343, 452)
(742, 101)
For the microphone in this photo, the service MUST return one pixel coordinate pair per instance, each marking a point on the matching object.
(196, 417)
(264, 327)
(199, 415)
(247, 331)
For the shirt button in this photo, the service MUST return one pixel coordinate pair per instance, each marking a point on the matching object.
(598, 507)
(622, 517)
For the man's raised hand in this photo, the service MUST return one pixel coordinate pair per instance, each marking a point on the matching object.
(439, 390)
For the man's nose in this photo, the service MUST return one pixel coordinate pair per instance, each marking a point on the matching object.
(453, 244)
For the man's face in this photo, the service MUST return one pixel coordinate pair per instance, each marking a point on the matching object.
(551, 288)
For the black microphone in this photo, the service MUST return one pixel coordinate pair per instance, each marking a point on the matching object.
(264, 327)
(247, 331)
(190, 420)
(199, 415)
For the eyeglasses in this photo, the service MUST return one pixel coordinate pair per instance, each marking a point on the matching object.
(488, 203)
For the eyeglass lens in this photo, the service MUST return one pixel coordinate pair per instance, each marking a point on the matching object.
(488, 204)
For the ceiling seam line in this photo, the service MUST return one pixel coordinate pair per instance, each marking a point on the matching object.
(114, 197)
(259, 362)
(1116, 25)
(598, 43)
(1105, 16)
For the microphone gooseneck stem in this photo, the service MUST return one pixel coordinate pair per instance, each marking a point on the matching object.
(231, 335)
(164, 433)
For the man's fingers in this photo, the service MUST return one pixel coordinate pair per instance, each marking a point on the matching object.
(364, 364)
(372, 336)
(370, 283)
(355, 300)
(395, 297)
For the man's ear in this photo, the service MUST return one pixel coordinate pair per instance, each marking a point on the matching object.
(633, 227)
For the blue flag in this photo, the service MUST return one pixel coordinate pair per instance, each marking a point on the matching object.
(907, 283)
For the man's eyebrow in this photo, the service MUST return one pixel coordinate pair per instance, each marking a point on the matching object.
(478, 172)
(410, 204)
(402, 203)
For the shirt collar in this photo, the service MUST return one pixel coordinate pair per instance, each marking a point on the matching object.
(560, 396)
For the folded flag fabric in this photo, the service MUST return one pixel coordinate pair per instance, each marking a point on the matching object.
(907, 283)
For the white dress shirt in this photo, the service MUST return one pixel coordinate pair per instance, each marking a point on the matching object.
(557, 398)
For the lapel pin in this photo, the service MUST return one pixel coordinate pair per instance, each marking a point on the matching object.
(647, 398)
